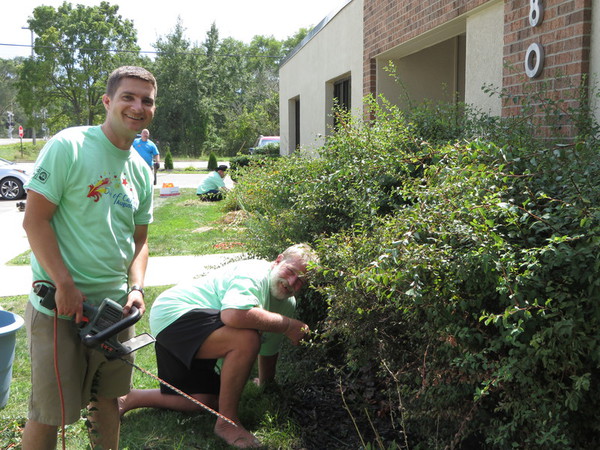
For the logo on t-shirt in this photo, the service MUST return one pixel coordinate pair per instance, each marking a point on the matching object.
(96, 190)
(41, 175)
(117, 188)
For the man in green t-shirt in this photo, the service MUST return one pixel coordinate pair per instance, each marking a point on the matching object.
(236, 313)
(89, 204)
(212, 187)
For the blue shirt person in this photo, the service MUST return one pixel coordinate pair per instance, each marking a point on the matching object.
(148, 151)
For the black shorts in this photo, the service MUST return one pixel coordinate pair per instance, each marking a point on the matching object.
(176, 347)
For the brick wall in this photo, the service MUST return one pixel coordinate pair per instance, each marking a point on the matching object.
(564, 34)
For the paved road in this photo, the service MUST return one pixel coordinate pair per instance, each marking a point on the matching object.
(15, 140)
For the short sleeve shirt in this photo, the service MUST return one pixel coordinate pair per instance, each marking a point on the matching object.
(210, 183)
(146, 149)
(102, 193)
(241, 285)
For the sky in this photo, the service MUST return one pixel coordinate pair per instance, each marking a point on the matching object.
(239, 19)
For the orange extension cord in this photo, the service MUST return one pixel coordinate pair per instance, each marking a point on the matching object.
(56, 369)
(58, 381)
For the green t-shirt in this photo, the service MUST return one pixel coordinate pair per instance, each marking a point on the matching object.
(240, 285)
(211, 183)
(101, 193)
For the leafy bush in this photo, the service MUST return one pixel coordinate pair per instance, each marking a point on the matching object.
(467, 274)
(240, 162)
(354, 180)
(470, 297)
(271, 149)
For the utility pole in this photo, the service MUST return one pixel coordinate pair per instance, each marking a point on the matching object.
(33, 113)
(10, 123)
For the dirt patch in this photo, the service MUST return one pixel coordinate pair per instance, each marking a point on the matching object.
(203, 229)
(235, 218)
(330, 419)
(228, 245)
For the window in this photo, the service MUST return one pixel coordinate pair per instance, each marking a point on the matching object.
(297, 123)
(294, 131)
(341, 96)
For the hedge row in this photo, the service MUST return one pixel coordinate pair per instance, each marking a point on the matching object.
(467, 274)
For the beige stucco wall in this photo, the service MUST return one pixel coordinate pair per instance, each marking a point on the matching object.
(595, 58)
(429, 74)
(484, 56)
(451, 61)
(334, 52)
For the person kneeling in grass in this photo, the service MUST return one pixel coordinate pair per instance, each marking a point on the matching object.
(238, 313)
(213, 187)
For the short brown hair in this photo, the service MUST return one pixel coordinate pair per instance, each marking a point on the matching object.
(128, 72)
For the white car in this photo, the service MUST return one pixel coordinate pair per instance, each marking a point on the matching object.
(12, 178)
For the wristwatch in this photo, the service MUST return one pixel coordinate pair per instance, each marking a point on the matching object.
(136, 287)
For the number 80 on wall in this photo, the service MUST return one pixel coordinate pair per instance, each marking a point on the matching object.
(534, 58)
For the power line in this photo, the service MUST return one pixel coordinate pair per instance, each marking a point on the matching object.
(83, 49)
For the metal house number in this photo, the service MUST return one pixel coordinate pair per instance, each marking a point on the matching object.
(534, 58)
(536, 12)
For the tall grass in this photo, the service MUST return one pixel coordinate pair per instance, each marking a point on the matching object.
(25, 153)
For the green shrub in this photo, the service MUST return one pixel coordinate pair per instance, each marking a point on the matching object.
(467, 275)
(355, 180)
(271, 149)
(478, 295)
(212, 162)
(168, 160)
(238, 164)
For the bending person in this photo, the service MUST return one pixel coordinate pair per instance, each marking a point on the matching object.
(238, 313)
(212, 187)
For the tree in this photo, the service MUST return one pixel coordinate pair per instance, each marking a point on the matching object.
(9, 74)
(181, 116)
(227, 78)
(76, 48)
(291, 42)
(255, 109)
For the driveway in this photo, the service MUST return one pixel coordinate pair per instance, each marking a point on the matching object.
(12, 235)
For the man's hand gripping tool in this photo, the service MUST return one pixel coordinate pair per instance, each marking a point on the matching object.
(102, 324)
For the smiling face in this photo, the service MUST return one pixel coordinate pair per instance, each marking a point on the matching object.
(287, 278)
(128, 111)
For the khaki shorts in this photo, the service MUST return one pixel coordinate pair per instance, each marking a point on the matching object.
(81, 370)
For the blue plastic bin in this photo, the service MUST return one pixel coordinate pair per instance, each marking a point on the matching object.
(9, 324)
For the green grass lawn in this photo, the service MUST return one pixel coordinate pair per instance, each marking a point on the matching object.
(184, 225)
(29, 152)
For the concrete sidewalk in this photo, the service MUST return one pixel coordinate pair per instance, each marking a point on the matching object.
(162, 270)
